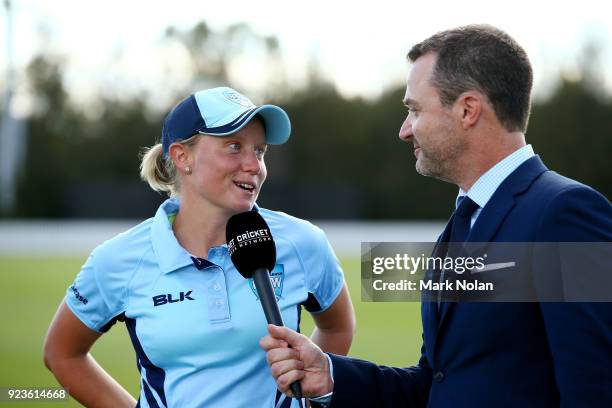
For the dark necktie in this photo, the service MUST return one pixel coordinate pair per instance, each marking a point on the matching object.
(459, 231)
(460, 227)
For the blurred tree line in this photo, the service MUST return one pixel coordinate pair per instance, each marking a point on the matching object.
(343, 161)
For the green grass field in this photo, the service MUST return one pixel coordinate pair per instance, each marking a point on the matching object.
(387, 333)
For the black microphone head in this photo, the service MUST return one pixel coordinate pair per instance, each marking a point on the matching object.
(250, 243)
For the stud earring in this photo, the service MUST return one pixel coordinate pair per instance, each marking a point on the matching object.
(188, 170)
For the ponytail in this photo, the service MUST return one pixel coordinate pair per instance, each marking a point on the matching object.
(158, 172)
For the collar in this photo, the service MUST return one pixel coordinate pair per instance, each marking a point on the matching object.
(169, 252)
(483, 189)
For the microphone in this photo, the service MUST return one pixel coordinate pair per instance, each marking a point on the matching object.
(253, 253)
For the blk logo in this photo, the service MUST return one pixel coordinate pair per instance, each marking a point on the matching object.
(163, 299)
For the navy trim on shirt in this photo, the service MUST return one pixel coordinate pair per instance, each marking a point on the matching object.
(120, 317)
(155, 375)
(312, 304)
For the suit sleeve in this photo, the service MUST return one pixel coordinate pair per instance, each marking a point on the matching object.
(579, 333)
(359, 383)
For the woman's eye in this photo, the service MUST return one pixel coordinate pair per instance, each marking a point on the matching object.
(260, 151)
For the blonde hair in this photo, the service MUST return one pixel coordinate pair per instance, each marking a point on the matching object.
(159, 171)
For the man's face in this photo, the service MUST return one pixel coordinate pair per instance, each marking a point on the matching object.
(432, 129)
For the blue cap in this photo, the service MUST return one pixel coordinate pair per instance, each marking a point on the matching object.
(221, 112)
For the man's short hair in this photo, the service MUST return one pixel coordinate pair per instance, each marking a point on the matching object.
(485, 59)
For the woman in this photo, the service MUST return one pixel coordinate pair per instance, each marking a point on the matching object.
(194, 321)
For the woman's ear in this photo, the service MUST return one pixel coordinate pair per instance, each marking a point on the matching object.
(181, 157)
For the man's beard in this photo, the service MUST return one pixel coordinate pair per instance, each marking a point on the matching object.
(441, 162)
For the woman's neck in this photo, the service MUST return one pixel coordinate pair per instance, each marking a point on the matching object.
(198, 227)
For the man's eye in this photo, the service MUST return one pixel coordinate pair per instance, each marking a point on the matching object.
(234, 146)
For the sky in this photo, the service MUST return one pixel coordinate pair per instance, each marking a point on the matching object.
(360, 45)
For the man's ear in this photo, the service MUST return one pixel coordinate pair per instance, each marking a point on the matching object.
(469, 106)
(181, 157)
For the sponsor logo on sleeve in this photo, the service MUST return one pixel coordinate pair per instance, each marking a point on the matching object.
(77, 295)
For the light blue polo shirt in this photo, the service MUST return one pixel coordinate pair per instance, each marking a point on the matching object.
(195, 324)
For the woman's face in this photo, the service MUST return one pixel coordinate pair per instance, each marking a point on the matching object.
(228, 171)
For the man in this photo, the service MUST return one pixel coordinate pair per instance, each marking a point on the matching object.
(468, 96)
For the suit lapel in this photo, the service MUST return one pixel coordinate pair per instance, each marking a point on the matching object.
(503, 200)
(493, 214)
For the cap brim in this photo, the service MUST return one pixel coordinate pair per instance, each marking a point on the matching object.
(276, 121)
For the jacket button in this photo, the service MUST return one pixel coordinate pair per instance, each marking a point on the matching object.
(438, 376)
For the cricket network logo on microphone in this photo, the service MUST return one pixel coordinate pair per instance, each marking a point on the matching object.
(248, 238)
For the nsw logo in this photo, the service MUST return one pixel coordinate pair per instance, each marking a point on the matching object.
(239, 99)
(277, 279)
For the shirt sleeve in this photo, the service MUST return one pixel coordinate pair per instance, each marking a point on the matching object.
(324, 277)
(87, 298)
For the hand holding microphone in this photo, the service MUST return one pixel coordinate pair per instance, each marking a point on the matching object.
(304, 362)
(253, 253)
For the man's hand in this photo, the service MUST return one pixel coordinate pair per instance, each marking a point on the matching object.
(304, 362)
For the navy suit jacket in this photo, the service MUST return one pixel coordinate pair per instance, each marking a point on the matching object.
(530, 354)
